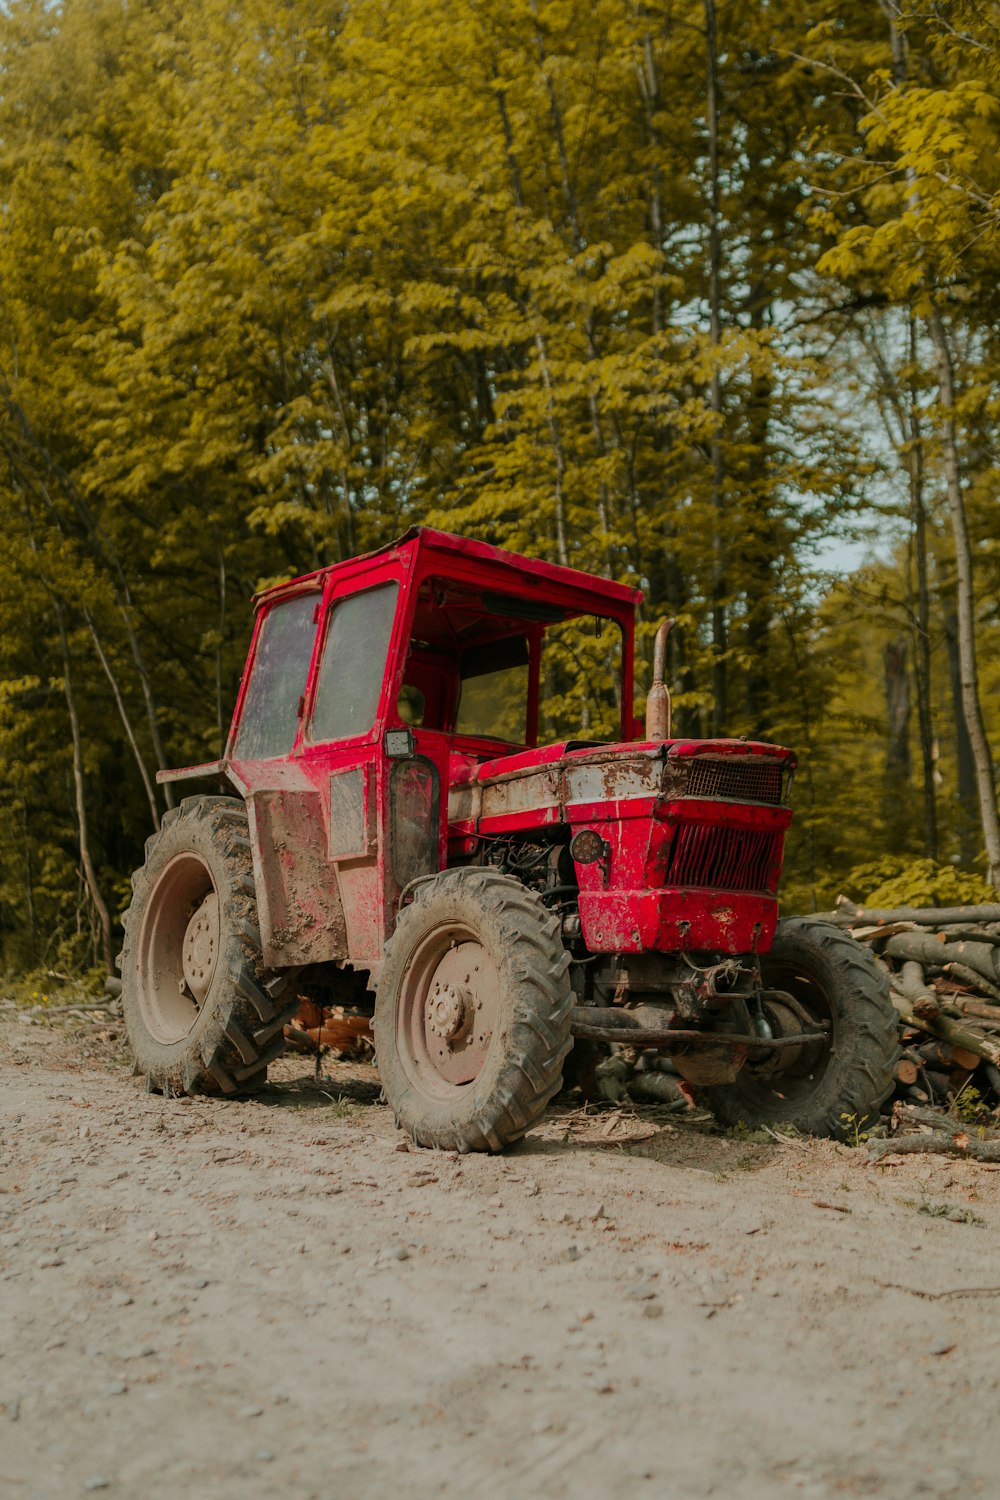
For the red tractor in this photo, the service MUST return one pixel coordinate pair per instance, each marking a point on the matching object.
(394, 826)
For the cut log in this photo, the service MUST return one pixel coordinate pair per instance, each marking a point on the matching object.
(939, 1085)
(952, 1032)
(909, 1114)
(913, 986)
(849, 915)
(978, 981)
(659, 1088)
(941, 1143)
(978, 1009)
(926, 949)
(907, 1072)
(970, 934)
(941, 1055)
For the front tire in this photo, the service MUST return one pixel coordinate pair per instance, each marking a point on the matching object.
(201, 1013)
(472, 1013)
(833, 1088)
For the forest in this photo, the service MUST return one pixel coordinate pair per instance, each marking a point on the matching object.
(701, 295)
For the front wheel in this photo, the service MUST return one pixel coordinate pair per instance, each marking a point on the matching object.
(472, 1014)
(817, 973)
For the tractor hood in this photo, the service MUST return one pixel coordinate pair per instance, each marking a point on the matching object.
(575, 782)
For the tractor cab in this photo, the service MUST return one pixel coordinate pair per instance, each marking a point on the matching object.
(375, 686)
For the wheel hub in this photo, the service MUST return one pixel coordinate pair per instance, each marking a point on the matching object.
(201, 947)
(787, 1018)
(449, 1011)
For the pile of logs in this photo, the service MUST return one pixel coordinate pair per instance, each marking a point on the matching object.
(943, 965)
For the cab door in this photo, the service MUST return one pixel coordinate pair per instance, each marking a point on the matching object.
(342, 752)
(309, 756)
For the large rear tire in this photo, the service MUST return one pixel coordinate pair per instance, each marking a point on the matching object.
(832, 1088)
(201, 1013)
(472, 1012)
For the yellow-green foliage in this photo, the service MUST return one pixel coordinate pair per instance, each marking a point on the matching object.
(276, 282)
(890, 881)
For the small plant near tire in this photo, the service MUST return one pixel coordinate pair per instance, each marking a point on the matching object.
(970, 1107)
(854, 1133)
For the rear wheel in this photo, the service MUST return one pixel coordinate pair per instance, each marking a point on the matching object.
(472, 1014)
(817, 973)
(201, 1014)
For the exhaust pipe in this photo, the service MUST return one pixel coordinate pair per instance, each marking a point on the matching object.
(658, 701)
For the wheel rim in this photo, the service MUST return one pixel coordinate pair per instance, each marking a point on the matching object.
(447, 1014)
(178, 948)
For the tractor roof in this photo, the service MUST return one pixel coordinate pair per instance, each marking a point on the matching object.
(592, 594)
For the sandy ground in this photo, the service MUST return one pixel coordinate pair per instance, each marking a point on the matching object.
(275, 1297)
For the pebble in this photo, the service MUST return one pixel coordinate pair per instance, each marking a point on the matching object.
(118, 1389)
(95, 1482)
(142, 1352)
(603, 1385)
(641, 1292)
(246, 1412)
(653, 1310)
(200, 1284)
(572, 1252)
(264, 1456)
(945, 1346)
(397, 1252)
(45, 1261)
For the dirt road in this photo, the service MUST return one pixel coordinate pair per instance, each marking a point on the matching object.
(213, 1299)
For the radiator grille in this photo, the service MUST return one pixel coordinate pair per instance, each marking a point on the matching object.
(735, 780)
(728, 859)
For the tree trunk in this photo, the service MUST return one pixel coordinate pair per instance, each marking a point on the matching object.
(965, 821)
(965, 602)
(126, 721)
(720, 669)
(897, 755)
(90, 874)
(559, 503)
(965, 595)
(922, 633)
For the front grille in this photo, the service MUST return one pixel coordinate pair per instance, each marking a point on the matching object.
(727, 859)
(735, 780)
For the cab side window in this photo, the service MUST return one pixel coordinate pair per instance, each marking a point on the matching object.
(353, 663)
(269, 718)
